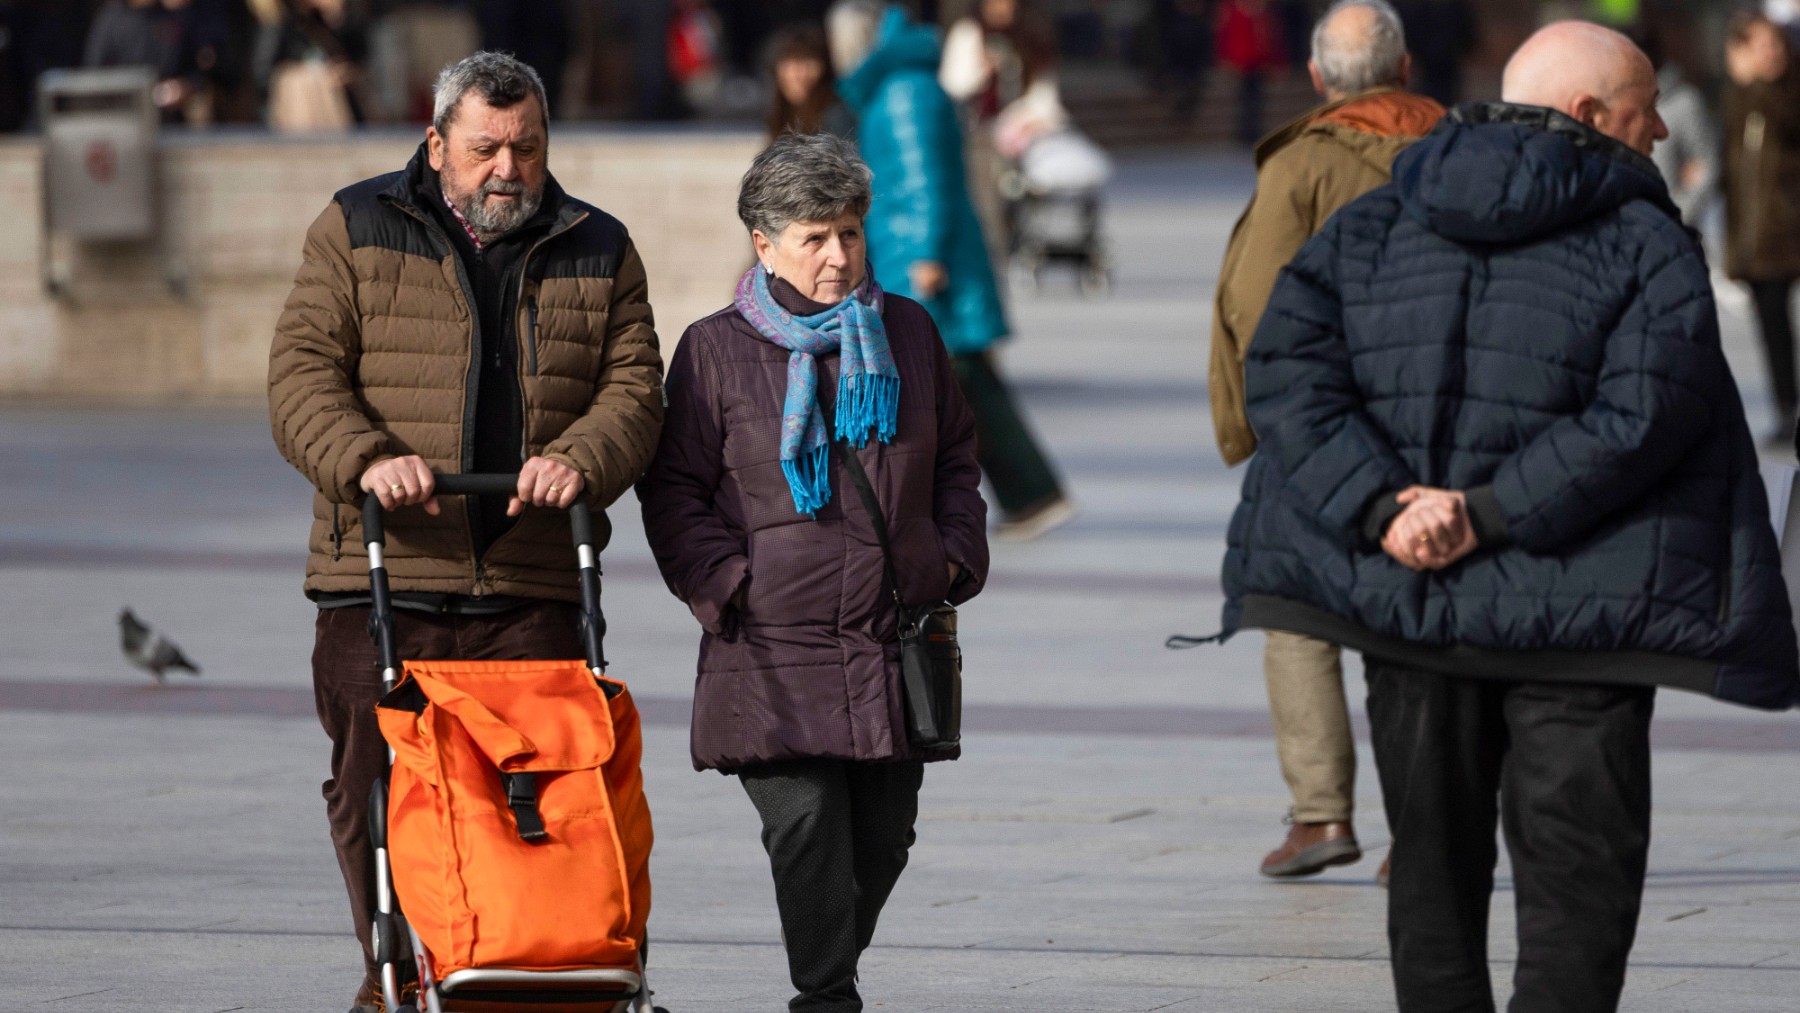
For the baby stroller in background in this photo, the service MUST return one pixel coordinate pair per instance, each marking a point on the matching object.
(1053, 189)
(511, 835)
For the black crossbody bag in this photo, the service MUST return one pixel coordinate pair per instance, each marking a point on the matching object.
(930, 658)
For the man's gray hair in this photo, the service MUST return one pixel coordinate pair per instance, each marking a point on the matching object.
(502, 80)
(1352, 63)
(803, 178)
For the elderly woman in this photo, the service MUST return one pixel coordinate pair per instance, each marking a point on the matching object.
(759, 528)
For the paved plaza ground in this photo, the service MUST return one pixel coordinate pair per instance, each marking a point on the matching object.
(164, 850)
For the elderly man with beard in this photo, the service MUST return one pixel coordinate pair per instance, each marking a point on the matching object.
(462, 315)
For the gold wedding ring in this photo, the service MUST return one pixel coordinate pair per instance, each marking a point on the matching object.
(395, 487)
(555, 488)
(1424, 538)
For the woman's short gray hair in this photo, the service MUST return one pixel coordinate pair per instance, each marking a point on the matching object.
(803, 178)
(500, 79)
(1349, 63)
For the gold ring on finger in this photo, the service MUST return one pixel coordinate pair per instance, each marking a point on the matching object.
(396, 487)
(556, 488)
(1423, 539)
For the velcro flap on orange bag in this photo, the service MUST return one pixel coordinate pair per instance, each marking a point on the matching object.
(523, 715)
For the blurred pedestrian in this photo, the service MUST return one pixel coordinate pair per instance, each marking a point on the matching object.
(994, 54)
(1503, 455)
(1249, 41)
(1689, 158)
(309, 59)
(759, 528)
(1306, 171)
(1762, 192)
(992, 59)
(176, 39)
(1184, 30)
(696, 47)
(926, 243)
(804, 98)
(1444, 34)
(538, 32)
(464, 314)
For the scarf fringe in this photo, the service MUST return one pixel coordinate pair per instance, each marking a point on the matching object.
(867, 402)
(809, 479)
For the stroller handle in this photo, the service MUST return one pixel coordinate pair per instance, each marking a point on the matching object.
(581, 526)
(581, 519)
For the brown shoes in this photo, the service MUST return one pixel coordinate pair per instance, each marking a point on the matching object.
(1311, 848)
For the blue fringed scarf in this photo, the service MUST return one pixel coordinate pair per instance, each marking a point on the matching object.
(868, 383)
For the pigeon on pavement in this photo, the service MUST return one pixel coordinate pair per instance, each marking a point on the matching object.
(150, 650)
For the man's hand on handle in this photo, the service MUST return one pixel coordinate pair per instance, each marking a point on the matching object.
(402, 481)
(545, 483)
(407, 481)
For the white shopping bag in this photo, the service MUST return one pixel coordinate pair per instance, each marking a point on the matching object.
(1783, 481)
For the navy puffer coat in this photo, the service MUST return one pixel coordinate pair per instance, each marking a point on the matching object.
(1521, 316)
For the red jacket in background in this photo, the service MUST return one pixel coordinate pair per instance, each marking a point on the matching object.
(1249, 37)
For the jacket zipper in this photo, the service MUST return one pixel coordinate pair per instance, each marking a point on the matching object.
(528, 347)
(471, 378)
(337, 536)
(1724, 593)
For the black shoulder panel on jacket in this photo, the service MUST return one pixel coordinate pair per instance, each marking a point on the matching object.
(592, 249)
(372, 221)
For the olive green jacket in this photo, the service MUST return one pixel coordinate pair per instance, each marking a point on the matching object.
(1305, 172)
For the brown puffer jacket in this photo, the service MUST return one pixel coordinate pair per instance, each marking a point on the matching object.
(810, 667)
(375, 357)
(1305, 172)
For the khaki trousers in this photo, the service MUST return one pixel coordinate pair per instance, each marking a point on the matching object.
(1312, 726)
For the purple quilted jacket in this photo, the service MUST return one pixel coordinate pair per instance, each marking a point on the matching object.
(809, 667)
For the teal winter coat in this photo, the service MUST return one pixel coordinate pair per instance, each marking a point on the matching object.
(911, 137)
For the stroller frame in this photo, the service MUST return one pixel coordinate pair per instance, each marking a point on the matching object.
(597, 987)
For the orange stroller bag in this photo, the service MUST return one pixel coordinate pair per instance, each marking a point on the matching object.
(511, 835)
(517, 827)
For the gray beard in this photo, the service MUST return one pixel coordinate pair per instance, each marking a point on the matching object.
(490, 223)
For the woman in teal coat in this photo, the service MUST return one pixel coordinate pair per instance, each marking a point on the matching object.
(925, 241)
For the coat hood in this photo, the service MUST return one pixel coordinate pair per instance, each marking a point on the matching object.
(1502, 174)
(899, 45)
(1374, 126)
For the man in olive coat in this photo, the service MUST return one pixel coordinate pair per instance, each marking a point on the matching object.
(462, 315)
(1306, 171)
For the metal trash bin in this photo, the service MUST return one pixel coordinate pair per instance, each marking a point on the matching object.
(100, 153)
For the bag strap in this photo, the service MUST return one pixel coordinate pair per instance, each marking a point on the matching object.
(860, 479)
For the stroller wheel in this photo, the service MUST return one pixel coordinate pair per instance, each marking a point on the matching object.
(1025, 270)
(1096, 280)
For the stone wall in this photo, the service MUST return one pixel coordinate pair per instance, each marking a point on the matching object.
(193, 318)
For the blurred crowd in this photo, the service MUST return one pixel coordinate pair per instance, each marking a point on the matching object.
(322, 64)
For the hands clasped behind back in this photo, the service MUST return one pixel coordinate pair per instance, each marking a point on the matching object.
(1432, 531)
